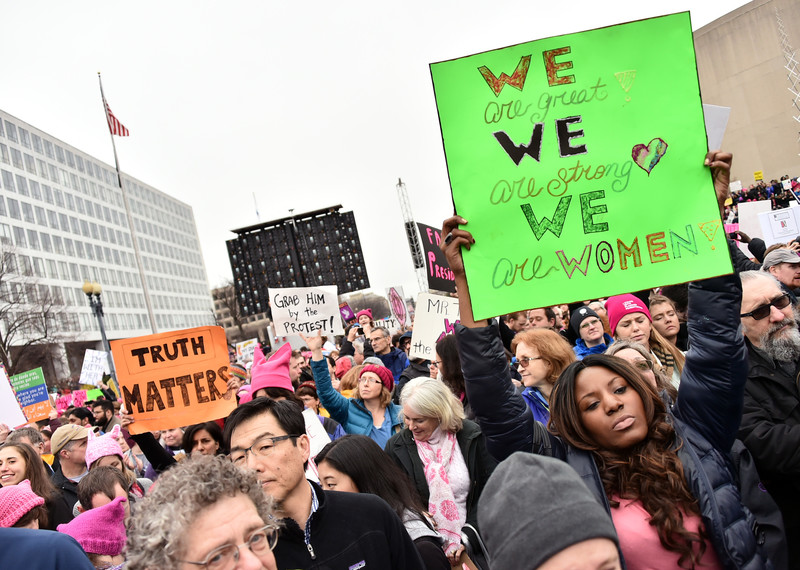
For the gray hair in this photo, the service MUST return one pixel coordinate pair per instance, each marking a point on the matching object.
(31, 434)
(755, 274)
(431, 398)
(157, 531)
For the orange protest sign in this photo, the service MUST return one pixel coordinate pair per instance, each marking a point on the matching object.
(174, 379)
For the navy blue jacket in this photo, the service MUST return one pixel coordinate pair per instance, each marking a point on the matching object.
(706, 417)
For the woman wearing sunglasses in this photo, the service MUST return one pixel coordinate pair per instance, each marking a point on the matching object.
(542, 356)
(204, 514)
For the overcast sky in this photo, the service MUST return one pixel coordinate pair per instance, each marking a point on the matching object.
(304, 104)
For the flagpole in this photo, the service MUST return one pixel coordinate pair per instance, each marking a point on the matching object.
(131, 227)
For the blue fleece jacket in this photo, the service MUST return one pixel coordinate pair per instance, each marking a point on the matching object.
(580, 349)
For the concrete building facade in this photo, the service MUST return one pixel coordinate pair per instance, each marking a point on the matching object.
(741, 59)
(64, 220)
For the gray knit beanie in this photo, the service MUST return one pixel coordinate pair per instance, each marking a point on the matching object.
(534, 507)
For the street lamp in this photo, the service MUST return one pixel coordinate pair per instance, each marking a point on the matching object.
(92, 291)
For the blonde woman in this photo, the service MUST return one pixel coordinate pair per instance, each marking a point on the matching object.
(444, 455)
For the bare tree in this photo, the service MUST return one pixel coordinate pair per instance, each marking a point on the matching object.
(226, 295)
(30, 317)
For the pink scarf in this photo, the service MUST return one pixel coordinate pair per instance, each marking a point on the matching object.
(436, 454)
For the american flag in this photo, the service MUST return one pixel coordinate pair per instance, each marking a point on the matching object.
(114, 125)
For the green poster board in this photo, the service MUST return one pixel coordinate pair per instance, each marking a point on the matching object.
(578, 162)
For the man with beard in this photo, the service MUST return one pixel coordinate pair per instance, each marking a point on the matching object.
(770, 425)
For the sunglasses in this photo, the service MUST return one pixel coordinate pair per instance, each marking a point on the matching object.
(763, 311)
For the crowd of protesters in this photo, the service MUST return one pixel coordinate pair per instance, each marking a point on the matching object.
(653, 429)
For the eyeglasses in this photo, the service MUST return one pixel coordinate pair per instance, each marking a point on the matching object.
(525, 360)
(435, 363)
(227, 556)
(588, 323)
(764, 310)
(642, 365)
(261, 448)
(365, 380)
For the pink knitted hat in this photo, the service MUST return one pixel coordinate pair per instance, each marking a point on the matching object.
(272, 373)
(100, 530)
(244, 393)
(103, 445)
(621, 305)
(383, 373)
(367, 312)
(16, 501)
(343, 364)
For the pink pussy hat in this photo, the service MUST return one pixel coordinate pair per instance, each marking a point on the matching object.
(272, 373)
(102, 446)
(16, 501)
(100, 530)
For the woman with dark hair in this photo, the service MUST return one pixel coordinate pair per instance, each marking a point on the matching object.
(355, 464)
(448, 363)
(204, 439)
(663, 474)
(18, 462)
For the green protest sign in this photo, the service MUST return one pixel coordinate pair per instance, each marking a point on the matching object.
(578, 162)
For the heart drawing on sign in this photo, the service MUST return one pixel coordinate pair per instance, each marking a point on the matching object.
(647, 156)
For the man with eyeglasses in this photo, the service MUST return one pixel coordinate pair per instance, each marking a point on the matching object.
(588, 326)
(393, 358)
(770, 427)
(321, 529)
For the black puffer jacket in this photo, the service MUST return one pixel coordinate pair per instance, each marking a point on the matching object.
(706, 416)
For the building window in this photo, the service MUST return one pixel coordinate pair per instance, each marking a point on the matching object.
(37, 143)
(22, 186)
(19, 237)
(11, 132)
(13, 209)
(4, 154)
(36, 191)
(27, 212)
(8, 181)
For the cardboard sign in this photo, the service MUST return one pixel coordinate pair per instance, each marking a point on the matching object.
(735, 186)
(75, 398)
(95, 364)
(440, 277)
(716, 118)
(758, 175)
(780, 226)
(348, 316)
(436, 317)
(10, 411)
(562, 155)
(32, 394)
(174, 379)
(305, 310)
(246, 349)
(397, 304)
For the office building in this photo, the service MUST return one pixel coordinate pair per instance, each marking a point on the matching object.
(746, 61)
(63, 217)
(304, 250)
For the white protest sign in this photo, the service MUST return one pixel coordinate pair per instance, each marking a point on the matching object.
(95, 364)
(397, 304)
(435, 317)
(305, 310)
(10, 412)
(246, 349)
(735, 186)
(389, 323)
(787, 184)
(318, 437)
(780, 226)
(716, 122)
